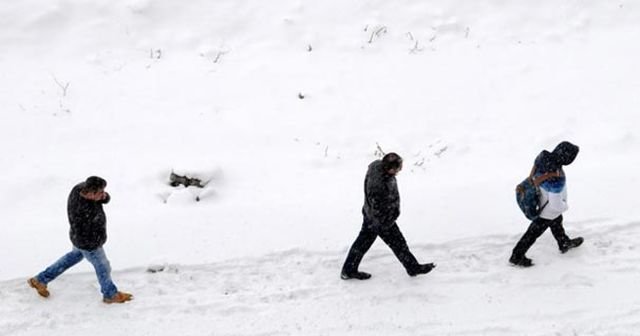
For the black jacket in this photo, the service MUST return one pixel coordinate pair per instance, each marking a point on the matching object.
(381, 197)
(563, 155)
(88, 223)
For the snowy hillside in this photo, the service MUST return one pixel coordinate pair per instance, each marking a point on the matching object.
(281, 106)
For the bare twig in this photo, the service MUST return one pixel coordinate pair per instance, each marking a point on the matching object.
(377, 33)
(415, 48)
(155, 53)
(219, 56)
(379, 151)
(441, 151)
(64, 87)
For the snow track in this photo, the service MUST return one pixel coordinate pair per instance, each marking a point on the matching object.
(473, 291)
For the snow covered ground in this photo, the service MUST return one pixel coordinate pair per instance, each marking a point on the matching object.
(282, 105)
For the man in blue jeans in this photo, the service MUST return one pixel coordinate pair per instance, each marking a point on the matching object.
(88, 232)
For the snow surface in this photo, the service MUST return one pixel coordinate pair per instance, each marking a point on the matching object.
(467, 91)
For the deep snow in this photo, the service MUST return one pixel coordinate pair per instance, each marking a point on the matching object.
(468, 92)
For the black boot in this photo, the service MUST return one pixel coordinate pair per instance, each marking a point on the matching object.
(571, 243)
(422, 269)
(520, 261)
(354, 275)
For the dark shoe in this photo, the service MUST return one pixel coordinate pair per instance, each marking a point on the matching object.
(39, 286)
(422, 269)
(120, 297)
(521, 261)
(355, 275)
(571, 243)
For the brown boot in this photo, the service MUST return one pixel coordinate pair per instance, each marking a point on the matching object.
(39, 286)
(120, 297)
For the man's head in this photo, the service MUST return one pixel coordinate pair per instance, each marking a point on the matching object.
(565, 153)
(93, 188)
(392, 163)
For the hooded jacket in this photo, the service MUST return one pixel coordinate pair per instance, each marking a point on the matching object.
(381, 198)
(87, 220)
(553, 191)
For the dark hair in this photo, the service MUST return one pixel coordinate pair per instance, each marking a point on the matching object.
(391, 161)
(94, 183)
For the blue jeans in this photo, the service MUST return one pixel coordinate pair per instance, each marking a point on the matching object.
(96, 257)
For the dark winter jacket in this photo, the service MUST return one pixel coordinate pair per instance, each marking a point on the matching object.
(88, 223)
(381, 197)
(553, 191)
(547, 162)
(562, 155)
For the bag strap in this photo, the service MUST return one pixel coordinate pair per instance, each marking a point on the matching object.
(540, 179)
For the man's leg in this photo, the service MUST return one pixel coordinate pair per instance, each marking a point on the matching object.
(101, 264)
(395, 240)
(564, 242)
(558, 232)
(58, 267)
(535, 230)
(360, 246)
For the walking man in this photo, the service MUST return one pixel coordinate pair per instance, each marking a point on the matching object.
(88, 232)
(553, 198)
(380, 211)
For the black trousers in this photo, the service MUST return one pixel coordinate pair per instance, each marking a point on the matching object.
(536, 229)
(391, 236)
